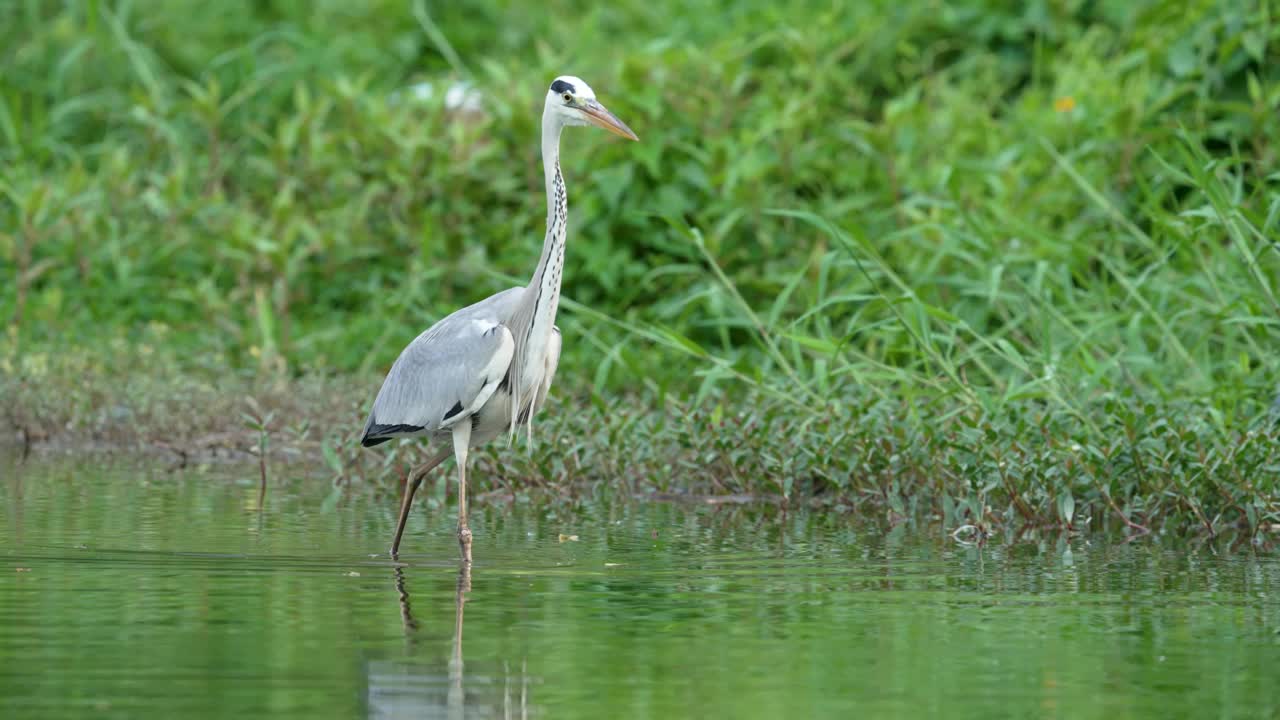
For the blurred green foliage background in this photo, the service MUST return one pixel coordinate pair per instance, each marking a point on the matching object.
(974, 199)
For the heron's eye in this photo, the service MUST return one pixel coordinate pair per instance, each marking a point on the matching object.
(568, 97)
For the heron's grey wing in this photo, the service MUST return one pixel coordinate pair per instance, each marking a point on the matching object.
(446, 374)
(553, 361)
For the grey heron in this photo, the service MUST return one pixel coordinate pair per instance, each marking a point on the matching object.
(486, 369)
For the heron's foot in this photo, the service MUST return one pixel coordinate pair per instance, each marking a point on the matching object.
(464, 543)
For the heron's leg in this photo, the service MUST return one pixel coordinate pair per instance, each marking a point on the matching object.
(411, 483)
(461, 441)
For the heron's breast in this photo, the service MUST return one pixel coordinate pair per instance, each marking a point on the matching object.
(494, 418)
(535, 359)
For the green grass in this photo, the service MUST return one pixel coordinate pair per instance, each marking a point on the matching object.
(944, 256)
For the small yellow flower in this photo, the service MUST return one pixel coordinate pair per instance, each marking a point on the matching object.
(1064, 104)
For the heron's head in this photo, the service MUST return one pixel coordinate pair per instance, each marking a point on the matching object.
(573, 102)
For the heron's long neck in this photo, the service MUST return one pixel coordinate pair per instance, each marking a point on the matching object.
(532, 323)
(545, 283)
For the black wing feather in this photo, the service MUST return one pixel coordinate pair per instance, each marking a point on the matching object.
(376, 434)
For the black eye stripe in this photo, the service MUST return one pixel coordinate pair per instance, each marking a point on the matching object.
(560, 86)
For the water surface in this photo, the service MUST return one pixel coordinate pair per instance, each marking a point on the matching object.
(152, 593)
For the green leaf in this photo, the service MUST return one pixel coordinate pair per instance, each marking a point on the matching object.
(331, 457)
(331, 500)
(1066, 506)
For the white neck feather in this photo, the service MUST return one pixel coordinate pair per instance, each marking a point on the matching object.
(532, 324)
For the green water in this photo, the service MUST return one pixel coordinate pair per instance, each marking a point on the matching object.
(127, 593)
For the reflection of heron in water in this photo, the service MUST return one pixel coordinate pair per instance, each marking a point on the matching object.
(456, 698)
(406, 614)
(414, 689)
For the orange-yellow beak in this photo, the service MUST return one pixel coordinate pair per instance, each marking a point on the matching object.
(600, 116)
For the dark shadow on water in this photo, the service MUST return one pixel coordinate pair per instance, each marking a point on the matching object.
(409, 689)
